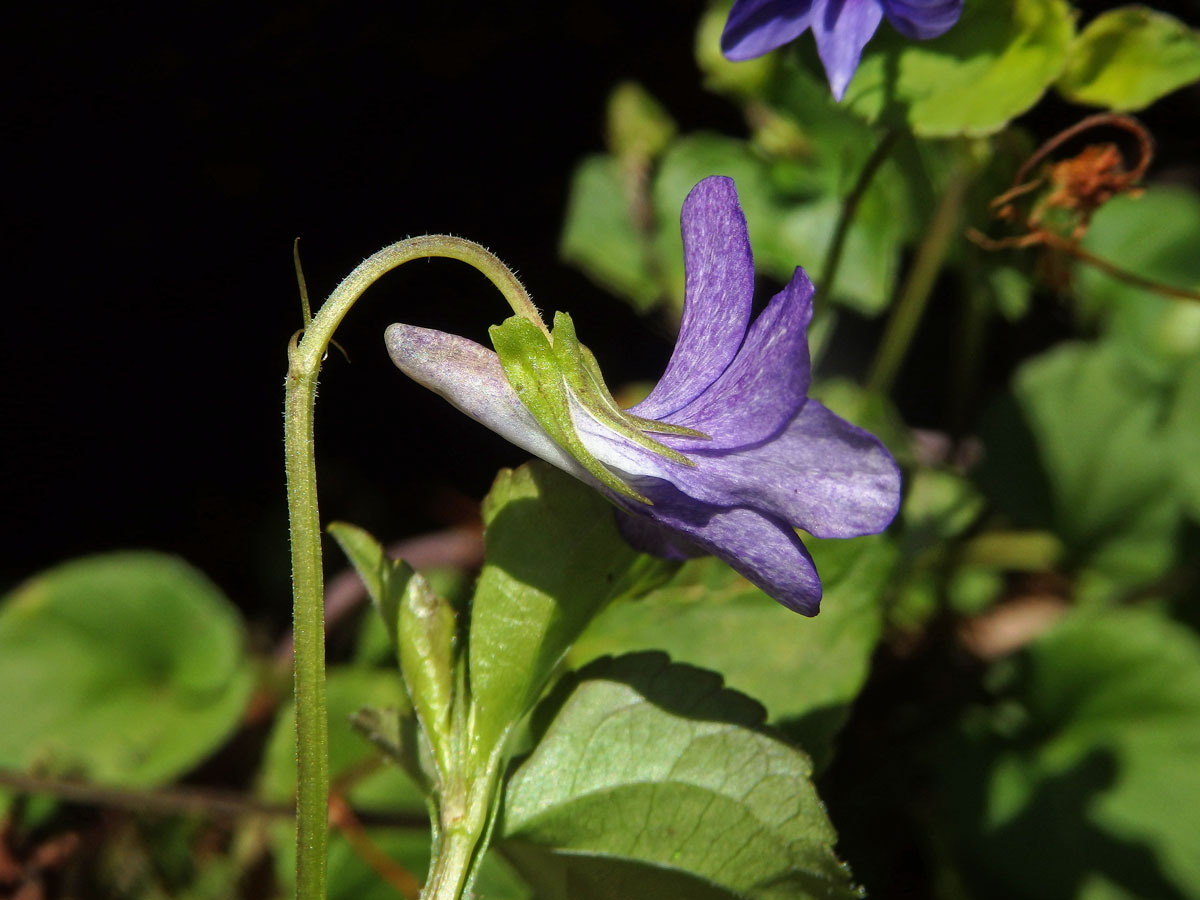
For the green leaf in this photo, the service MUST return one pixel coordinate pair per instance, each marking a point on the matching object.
(1152, 236)
(1183, 436)
(655, 764)
(1084, 451)
(1095, 789)
(554, 559)
(431, 665)
(993, 65)
(938, 505)
(638, 126)
(806, 672)
(386, 579)
(601, 237)
(127, 668)
(1129, 57)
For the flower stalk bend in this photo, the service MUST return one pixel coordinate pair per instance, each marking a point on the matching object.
(305, 353)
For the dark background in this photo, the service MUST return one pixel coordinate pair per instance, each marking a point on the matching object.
(161, 160)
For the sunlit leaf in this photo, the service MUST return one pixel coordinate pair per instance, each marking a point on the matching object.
(553, 559)
(1127, 58)
(651, 766)
(806, 672)
(993, 65)
(385, 579)
(602, 238)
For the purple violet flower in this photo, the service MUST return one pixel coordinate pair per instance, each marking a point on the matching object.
(841, 28)
(732, 455)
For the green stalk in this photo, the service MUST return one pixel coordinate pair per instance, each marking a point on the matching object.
(304, 364)
(833, 255)
(308, 625)
(825, 321)
(466, 818)
(910, 306)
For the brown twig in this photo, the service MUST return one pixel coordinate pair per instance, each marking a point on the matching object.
(1100, 120)
(177, 800)
(1064, 246)
(343, 818)
(1081, 185)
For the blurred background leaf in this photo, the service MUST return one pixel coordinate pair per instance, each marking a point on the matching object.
(1126, 58)
(1084, 767)
(1152, 236)
(1082, 448)
(125, 669)
(993, 65)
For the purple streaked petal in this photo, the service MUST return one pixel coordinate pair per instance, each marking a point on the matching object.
(471, 378)
(760, 547)
(646, 535)
(841, 32)
(755, 27)
(717, 300)
(764, 386)
(922, 19)
(821, 474)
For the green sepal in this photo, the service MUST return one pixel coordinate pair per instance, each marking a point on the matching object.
(582, 374)
(532, 370)
(592, 369)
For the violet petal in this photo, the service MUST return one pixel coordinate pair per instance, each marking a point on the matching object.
(922, 19)
(765, 385)
(647, 536)
(760, 547)
(755, 27)
(821, 474)
(718, 297)
(841, 32)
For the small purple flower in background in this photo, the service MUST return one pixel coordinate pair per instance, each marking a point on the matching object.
(841, 28)
(770, 459)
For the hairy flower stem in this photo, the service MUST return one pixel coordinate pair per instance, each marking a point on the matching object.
(304, 364)
(910, 306)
